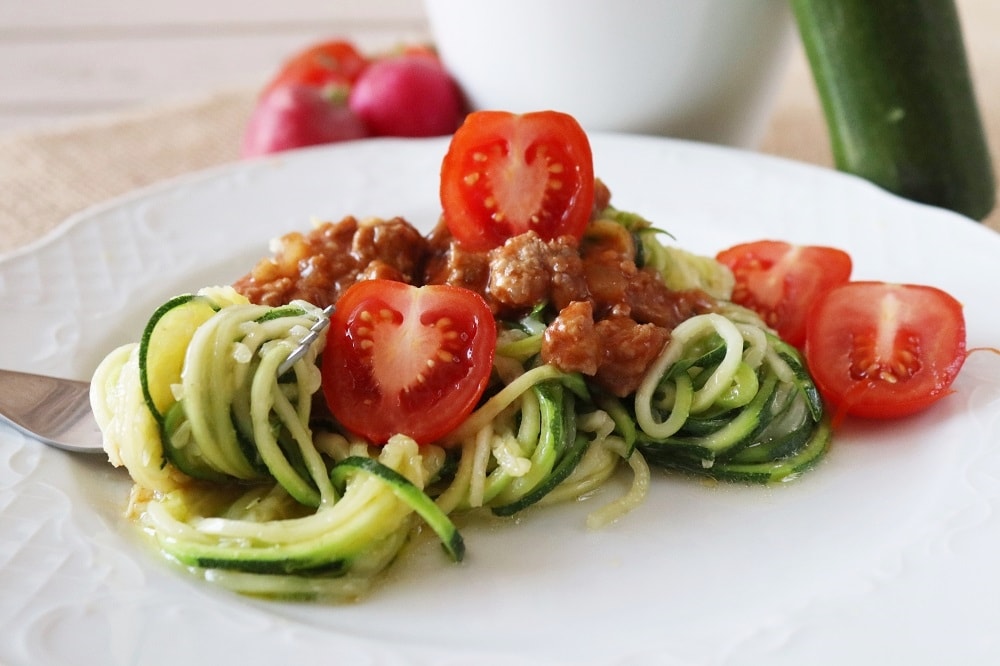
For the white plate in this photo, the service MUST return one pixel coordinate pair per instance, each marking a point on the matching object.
(887, 551)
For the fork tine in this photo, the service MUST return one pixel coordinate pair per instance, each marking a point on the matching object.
(307, 341)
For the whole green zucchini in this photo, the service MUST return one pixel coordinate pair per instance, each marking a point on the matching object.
(894, 82)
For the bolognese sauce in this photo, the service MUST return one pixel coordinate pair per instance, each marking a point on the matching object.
(612, 315)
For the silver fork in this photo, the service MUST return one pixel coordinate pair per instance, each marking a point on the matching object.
(57, 411)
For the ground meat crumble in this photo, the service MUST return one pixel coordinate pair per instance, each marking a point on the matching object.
(612, 317)
(318, 266)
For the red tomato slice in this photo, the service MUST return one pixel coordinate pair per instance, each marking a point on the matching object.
(504, 174)
(883, 350)
(404, 359)
(336, 62)
(780, 281)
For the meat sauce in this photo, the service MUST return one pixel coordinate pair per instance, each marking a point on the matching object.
(613, 316)
(317, 267)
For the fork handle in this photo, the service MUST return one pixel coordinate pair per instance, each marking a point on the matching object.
(56, 411)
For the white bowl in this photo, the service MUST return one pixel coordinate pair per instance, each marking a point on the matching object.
(705, 70)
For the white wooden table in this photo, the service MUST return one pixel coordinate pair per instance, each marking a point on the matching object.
(61, 60)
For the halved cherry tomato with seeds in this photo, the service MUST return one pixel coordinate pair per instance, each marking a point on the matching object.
(780, 281)
(505, 173)
(405, 359)
(883, 350)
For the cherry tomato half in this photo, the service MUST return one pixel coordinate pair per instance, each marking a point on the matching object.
(504, 174)
(780, 281)
(882, 350)
(404, 359)
(337, 62)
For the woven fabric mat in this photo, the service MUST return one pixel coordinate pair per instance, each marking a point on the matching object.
(49, 175)
(46, 176)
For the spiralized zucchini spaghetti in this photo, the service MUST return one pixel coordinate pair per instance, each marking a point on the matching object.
(241, 478)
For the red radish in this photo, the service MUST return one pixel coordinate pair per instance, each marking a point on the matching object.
(295, 115)
(408, 95)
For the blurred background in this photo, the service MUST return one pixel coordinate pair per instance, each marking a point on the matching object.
(64, 64)
(62, 60)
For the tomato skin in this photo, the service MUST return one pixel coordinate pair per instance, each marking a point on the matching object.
(780, 281)
(883, 350)
(404, 359)
(506, 173)
(336, 62)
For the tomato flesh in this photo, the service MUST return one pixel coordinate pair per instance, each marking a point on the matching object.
(882, 350)
(780, 281)
(404, 359)
(505, 174)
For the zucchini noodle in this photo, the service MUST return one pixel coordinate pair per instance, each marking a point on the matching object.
(729, 399)
(239, 481)
(131, 437)
(679, 268)
(688, 400)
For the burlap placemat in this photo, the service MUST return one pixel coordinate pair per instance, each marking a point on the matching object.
(47, 176)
